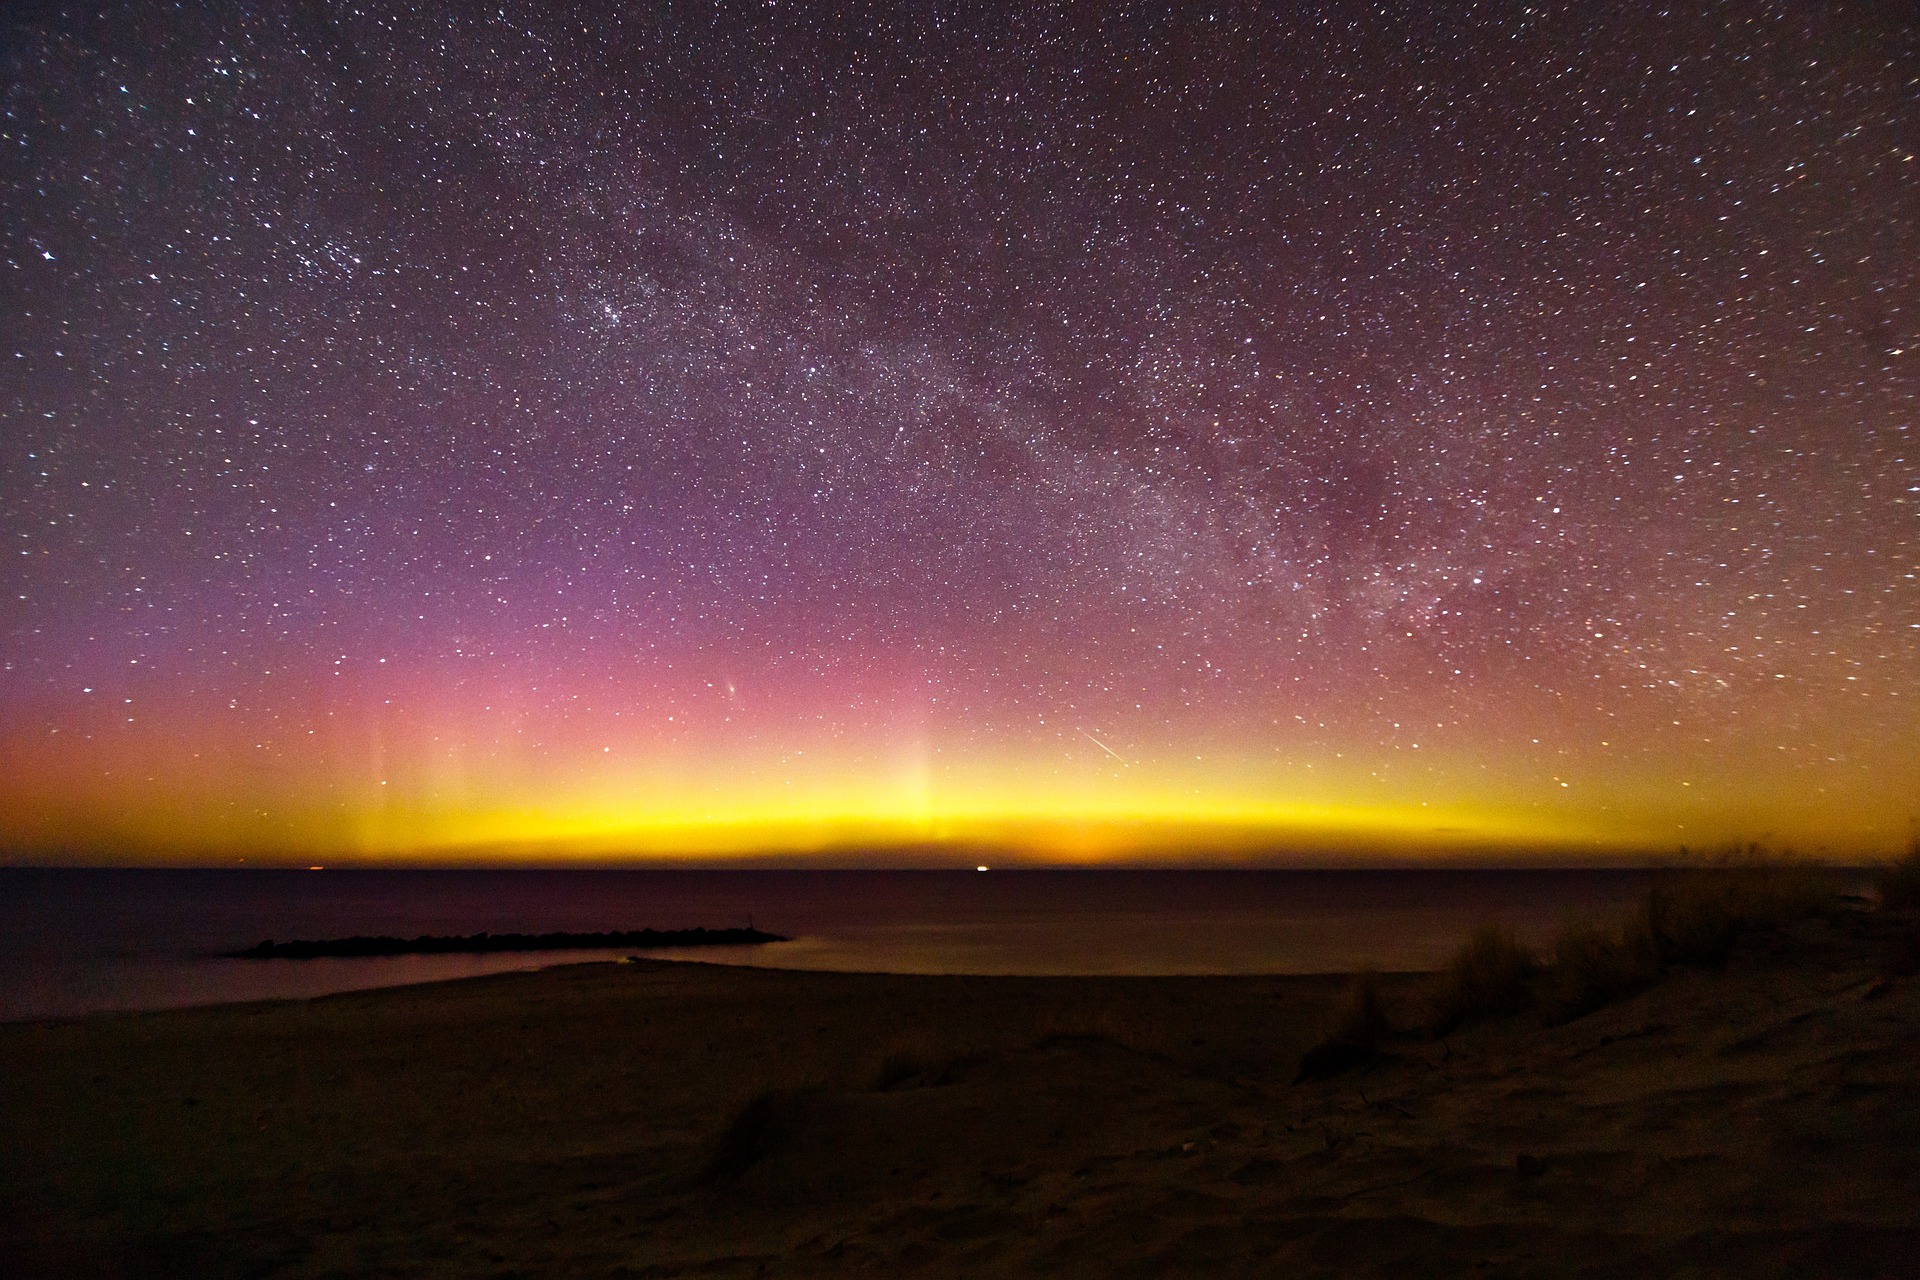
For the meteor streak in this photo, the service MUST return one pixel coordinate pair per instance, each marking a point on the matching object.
(1103, 746)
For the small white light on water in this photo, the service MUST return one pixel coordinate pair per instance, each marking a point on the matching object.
(982, 867)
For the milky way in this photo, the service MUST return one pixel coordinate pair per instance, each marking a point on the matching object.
(594, 429)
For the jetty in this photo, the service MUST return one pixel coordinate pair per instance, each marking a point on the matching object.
(431, 945)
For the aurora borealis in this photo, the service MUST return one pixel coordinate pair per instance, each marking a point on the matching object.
(590, 431)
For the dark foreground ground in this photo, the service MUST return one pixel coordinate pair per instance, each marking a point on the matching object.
(656, 1119)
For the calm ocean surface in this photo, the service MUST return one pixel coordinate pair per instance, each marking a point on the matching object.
(80, 941)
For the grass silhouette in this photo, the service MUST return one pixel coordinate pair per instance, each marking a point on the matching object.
(1490, 976)
(1899, 880)
(762, 1126)
(1692, 917)
(1593, 966)
(1359, 1028)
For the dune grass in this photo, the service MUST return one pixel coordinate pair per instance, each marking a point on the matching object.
(1593, 966)
(1358, 1028)
(1690, 917)
(762, 1126)
(1694, 917)
(1899, 880)
(1490, 976)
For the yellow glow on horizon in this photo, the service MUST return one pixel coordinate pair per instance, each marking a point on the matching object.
(440, 791)
(1038, 817)
(1076, 815)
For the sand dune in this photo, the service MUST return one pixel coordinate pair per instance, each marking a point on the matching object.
(656, 1119)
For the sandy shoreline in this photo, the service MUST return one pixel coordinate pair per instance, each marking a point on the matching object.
(660, 1118)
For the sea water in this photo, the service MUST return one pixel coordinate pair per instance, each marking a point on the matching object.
(81, 941)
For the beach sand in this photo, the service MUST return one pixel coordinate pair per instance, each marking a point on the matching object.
(658, 1119)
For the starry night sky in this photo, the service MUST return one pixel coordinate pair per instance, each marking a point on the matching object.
(475, 431)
